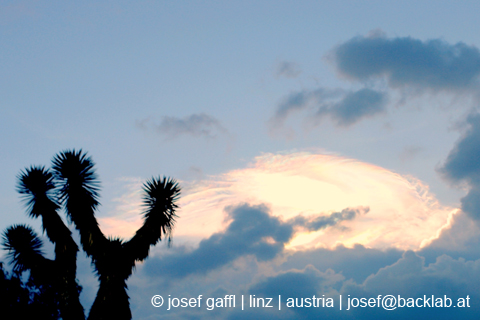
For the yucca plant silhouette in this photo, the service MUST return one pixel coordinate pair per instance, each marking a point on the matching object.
(113, 259)
(75, 186)
(56, 277)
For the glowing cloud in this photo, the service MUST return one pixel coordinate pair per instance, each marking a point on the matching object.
(403, 214)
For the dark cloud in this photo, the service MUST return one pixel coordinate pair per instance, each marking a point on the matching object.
(462, 162)
(432, 64)
(355, 106)
(471, 202)
(410, 64)
(345, 108)
(197, 125)
(334, 218)
(287, 69)
(301, 100)
(462, 165)
(253, 231)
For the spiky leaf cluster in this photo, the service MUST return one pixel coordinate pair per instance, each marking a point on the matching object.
(160, 202)
(36, 186)
(23, 246)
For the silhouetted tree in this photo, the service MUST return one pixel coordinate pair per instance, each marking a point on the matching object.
(73, 185)
(113, 259)
(30, 300)
(37, 186)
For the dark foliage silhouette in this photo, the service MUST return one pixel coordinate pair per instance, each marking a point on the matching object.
(57, 278)
(30, 300)
(72, 185)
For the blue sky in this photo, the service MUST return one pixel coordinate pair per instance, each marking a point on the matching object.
(347, 130)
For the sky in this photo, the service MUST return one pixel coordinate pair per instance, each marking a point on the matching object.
(323, 148)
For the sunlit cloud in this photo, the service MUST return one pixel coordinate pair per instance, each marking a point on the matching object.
(402, 212)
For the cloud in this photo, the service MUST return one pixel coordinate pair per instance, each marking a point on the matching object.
(462, 162)
(321, 222)
(432, 64)
(274, 249)
(345, 108)
(405, 63)
(407, 277)
(252, 231)
(411, 277)
(460, 240)
(410, 152)
(300, 100)
(402, 212)
(296, 283)
(462, 165)
(357, 272)
(288, 69)
(355, 106)
(355, 263)
(196, 125)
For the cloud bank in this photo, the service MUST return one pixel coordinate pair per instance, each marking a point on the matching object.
(356, 272)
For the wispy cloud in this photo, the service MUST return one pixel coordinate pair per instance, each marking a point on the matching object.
(195, 125)
(410, 152)
(287, 69)
(344, 107)
(324, 221)
(301, 100)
